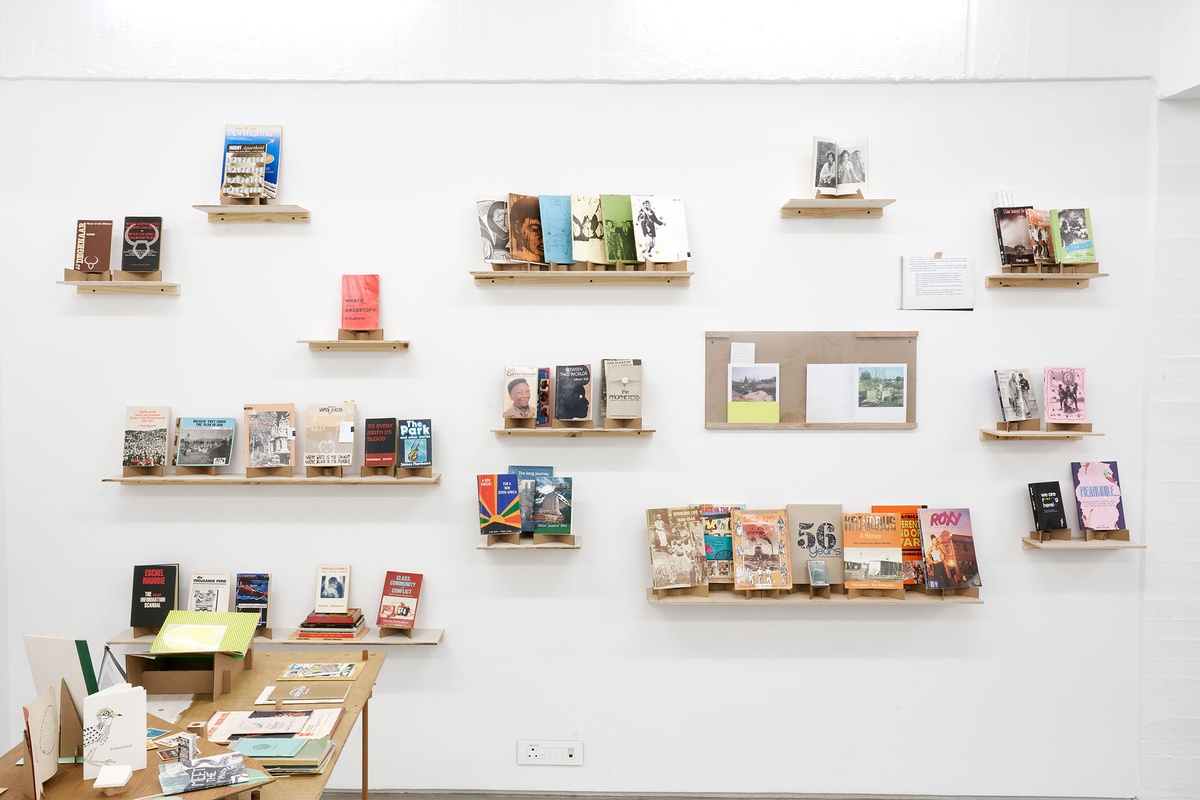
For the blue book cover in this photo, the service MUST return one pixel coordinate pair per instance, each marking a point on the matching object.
(257, 143)
(268, 746)
(526, 481)
(416, 443)
(552, 505)
(204, 441)
(556, 227)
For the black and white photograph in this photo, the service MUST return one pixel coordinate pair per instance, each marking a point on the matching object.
(587, 228)
(1017, 398)
(146, 436)
(676, 547)
(493, 227)
(333, 589)
(1072, 226)
(204, 446)
(824, 164)
(659, 230)
(818, 575)
(874, 564)
(839, 166)
(269, 434)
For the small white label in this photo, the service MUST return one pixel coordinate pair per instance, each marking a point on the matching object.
(346, 433)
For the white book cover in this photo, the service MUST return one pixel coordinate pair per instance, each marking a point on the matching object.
(587, 229)
(329, 435)
(659, 228)
(114, 729)
(333, 589)
(209, 591)
(622, 398)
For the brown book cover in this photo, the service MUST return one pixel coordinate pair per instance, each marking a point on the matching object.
(525, 228)
(93, 245)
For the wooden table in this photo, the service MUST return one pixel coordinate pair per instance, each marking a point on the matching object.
(68, 783)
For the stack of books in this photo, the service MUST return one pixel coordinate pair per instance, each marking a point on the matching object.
(284, 742)
(333, 625)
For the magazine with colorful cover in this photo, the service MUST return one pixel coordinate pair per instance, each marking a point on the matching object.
(556, 227)
(526, 489)
(146, 436)
(761, 557)
(718, 541)
(617, 211)
(519, 397)
(676, 548)
(492, 213)
(552, 505)
(815, 535)
(499, 504)
(270, 435)
(1098, 495)
(1065, 394)
(913, 568)
(839, 166)
(329, 435)
(398, 603)
(873, 555)
(251, 593)
(251, 167)
(950, 561)
(416, 443)
(525, 228)
(659, 230)
(1018, 401)
(204, 441)
(1072, 228)
(1042, 234)
(587, 229)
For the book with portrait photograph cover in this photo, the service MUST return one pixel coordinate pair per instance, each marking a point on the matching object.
(573, 392)
(379, 445)
(492, 213)
(270, 435)
(1072, 229)
(1041, 234)
(1045, 498)
(761, 556)
(556, 227)
(718, 541)
(913, 566)
(146, 436)
(1098, 499)
(676, 548)
(520, 384)
(660, 228)
(333, 589)
(544, 414)
(552, 499)
(1012, 232)
(587, 229)
(617, 212)
(499, 504)
(416, 443)
(950, 561)
(141, 244)
(815, 534)
(525, 228)
(872, 553)
(398, 603)
(329, 435)
(1018, 400)
(1065, 400)
(839, 166)
(204, 441)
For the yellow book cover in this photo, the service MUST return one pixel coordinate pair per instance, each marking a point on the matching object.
(873, 551)
(761, 559)
(205, 632)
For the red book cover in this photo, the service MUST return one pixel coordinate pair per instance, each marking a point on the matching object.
(398, 605)
(360, 302)
(913, 568)
(93, 245)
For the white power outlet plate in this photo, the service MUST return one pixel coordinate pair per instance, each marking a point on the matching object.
(549, 754)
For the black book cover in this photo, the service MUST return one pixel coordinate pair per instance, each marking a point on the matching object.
(380, 447)
(155, 591)
(1046, 500)
(141, 244)
(573, 392)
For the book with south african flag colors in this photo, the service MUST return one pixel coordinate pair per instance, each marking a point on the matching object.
(499, 504)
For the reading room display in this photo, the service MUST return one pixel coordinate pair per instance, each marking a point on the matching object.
(567, 397)
(527, 506)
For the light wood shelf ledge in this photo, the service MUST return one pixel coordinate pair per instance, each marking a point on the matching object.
(994, 434)
(240, 479)
(359, 345)
(1033, 280)
(247, 213)
(583, 278)
(800, 596)
(830, 207)
(571, 433)
(527, 546)
(122, 287)
(1080, 544)
(421, 636)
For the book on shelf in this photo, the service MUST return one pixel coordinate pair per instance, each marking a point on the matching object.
(208, 591)
(1072, 229)
(155, 594)
(114, 728)
(573, 392)
(141, 244)
(872, 553)
(333, 589)
(552, 502)
(526, 490)
(1098, 500)
(621, 396)
(228, 632)
(525, 228)
(555, 210)
(93, 245)
(718, 541)
(292, 694)
(816, 534)
(204, 441)
(1018, 401)
(351, 616)
(676, 547)
(839, 165)
(329, 434)
(224, 727)
(146, 436)
(270, 435)
(818, 573)
(1041, 235)
(379, 447)
(492, 213)
(319, 671)
(332, 635)
(1065, 394)
(519, 382)
(499, 504)
(660, 230)
(617, 213)
(398, 602)
(360, 302)
(416, 443)
(543, 415)
(1046, 501)
(587, 229)
(913, 567)
(251, 165)
(761, 556)
(252, 594)
(950, 560)
(333, 625)
(1012, 233)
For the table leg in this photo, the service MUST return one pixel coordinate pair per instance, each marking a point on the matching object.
(365, 739)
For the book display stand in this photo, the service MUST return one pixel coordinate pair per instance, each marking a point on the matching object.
(118, 282)
(894, 594)
(819, 592)
(249, 210)
(269, 472)
(323, 472)
(142, 472)
(583, 273)
(1061, 539)
(568, 430)
(1046, 276)
(944, 593)
(284, 477)
(689, 592)
(826, 206)
(1031, 430)
(178, 674)
(418, 636)
(894, 598)
(527, 540)
(385, 632)
(361, 341)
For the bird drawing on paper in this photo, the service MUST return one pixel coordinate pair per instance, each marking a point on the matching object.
(96, 735)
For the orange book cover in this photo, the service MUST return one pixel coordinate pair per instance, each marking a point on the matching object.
(913, 568)
(872, 551)
(360, 302)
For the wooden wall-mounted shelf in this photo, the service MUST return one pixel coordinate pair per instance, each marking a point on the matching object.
(571, 433)
(1049, 276)
(583, 278)
(240, 479)
(1080, 544)
(801, 597)
(420, 636)
(993, 434)
(528, 544)
(359, 345)
(247, 213)
(831, 207)
(122, 287)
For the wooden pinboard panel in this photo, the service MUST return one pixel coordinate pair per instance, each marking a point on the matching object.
(794, 351)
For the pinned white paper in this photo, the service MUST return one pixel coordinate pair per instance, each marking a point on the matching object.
(741, 352)
(346, 433)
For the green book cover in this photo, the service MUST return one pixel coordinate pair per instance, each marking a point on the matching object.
(617, 210)
(1072, 232)
(205, 632)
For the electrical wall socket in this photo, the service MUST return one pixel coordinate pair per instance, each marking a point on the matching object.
(549, 754)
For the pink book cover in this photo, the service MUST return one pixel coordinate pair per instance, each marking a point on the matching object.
(1098, 495)
(360, 302)
(1065, 394)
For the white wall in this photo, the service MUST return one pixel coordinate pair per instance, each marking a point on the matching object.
(1179, 67)
(563, 645)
